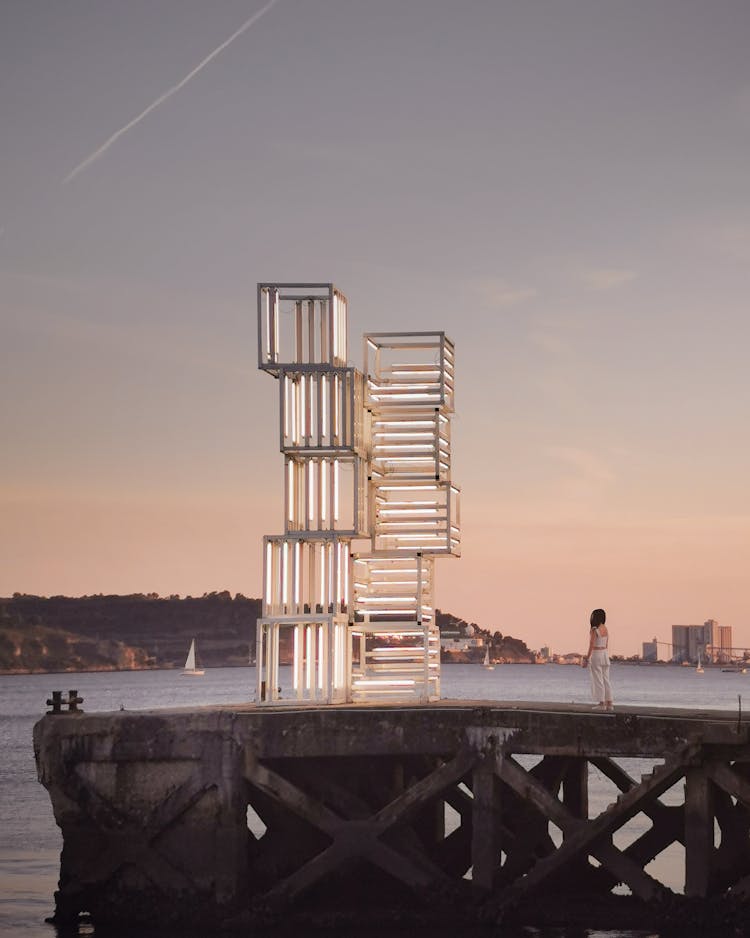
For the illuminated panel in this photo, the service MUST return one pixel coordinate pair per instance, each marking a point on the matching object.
(301, 323)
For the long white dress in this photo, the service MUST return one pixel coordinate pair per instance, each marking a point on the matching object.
(601, 689)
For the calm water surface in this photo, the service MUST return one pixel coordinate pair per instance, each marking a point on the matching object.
(30, 841)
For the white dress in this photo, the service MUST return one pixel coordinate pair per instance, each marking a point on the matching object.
(601, 690)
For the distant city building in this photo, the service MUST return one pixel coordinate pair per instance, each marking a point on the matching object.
(544, 652)
(725, 643)
(691, 642)
(681, 642)
(711, 640)
(650, 651)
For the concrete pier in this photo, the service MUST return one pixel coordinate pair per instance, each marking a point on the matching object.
(226, 816)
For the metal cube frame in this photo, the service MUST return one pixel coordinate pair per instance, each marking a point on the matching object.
(415, 516)
(400, 661)
(321, 410)
(412, 443)
(301, 323)
(391, 587)
(320, 659)
(409, 368)
(326, 493)
(304, 576)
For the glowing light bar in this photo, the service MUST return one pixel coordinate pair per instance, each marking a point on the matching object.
(376, 683)
(268, 327)
(325, 495)
(396, 612)
(388, 599)
(321, 657)
(290, 490)
(309, 656)
(399, 436)
(284, 573)
(269, 572)
(408, 488)
(296, 572)
(310, 490)
(399, 396)
(295, 674)
(335, 490)
(399, 446)
(403, 423)
(408, 509)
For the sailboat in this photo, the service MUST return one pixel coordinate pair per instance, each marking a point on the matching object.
(699, 666)
(486, 662)
(190, 668)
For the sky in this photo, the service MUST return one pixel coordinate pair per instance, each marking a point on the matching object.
(561, 186)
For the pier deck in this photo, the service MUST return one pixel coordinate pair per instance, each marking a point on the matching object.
(232, 814)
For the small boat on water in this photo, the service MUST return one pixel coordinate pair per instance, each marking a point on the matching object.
(699, 666)
(190, 668)
(486, 662)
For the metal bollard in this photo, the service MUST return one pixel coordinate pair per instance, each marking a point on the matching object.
(57, 703)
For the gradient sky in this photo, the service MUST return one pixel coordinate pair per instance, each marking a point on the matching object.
(563, 186)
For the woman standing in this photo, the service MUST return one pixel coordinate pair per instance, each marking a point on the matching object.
(597, 659)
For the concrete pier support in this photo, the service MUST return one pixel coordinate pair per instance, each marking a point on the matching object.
(153, 814)
(223, 816)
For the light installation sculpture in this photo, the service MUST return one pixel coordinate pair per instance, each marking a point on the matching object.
(369, 504)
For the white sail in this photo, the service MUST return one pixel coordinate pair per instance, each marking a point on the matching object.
(190, 667)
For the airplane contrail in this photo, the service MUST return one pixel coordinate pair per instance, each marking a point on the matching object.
(167, 94)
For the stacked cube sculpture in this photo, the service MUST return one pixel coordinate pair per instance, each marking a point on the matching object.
(369, 505)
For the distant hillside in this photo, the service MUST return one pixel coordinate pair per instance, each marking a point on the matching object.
(38, 649)
(502, 647)
(157, 631)
(64, 633)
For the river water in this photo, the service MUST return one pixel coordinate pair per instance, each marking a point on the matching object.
(30, 841)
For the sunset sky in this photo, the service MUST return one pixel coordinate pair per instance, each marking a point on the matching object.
(563, 186)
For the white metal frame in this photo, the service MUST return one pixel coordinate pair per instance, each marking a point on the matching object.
(321, 409)
(301, 323)
(319, 653)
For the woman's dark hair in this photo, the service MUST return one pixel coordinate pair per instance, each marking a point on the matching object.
(598, 617)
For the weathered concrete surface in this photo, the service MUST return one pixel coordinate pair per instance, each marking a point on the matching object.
(150, 807)
(153, 807)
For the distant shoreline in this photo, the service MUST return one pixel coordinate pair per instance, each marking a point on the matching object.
(563, 664)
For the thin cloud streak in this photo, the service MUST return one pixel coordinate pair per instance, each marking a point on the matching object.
(167, 94)
(605, 278)
(498, 293)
